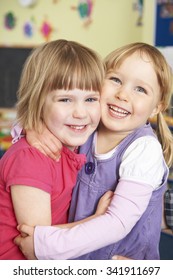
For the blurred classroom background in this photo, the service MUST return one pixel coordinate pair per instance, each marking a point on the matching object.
(100, 24)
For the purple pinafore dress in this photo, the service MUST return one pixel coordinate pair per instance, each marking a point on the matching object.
(99, 176)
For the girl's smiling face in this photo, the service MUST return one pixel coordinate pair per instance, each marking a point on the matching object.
(130, 95)
(72, 115)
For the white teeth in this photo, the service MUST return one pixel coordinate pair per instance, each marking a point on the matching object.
(118, 110)
(77, 127)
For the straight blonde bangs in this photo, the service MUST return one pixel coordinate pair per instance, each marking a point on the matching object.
(55, 65)
(78, 71)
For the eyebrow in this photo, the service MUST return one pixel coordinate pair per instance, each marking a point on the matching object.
(67, 93)
(145, 84)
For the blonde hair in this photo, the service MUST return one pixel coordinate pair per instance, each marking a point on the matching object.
(164, 77)
(59, 64)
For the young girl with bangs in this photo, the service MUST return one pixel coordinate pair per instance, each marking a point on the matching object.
(60, 89)
(123, 155)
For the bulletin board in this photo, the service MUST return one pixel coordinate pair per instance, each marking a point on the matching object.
(164, 23)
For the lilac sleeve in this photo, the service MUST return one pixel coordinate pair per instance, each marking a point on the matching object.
(16, 133)
(55, 243)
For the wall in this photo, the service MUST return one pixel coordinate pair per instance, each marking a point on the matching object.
(113, 23)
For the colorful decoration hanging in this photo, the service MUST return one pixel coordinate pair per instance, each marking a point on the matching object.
(139, 7)
(28, 29)
(9, 20)
(46, 30)
(27, 3)
(84, 9)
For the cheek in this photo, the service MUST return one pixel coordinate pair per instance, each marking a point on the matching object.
(140, 107)
(55, 119)
(51, 116)
(96, 114)
(144, 112)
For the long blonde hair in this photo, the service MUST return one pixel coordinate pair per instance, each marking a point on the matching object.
(164, 76)
(59, 64)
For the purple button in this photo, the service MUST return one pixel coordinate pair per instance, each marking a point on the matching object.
(89, 168)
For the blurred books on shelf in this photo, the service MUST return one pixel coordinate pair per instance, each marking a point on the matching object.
(168, 119)
(7, 117)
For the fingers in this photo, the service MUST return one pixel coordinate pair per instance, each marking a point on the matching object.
(56, 145)
(54, 149)
(18, 240)
(55, 155)
(39, 147)
(23, 234)
(107, 196)
(104, 203)
(45, 142)
(117, 257)
(25, 230)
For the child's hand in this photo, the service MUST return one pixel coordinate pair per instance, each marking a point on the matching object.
(45, 142)
(25, 241)
(120, 258)
(104, 203)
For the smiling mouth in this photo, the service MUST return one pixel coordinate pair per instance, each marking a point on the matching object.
(78, 128)
(118, 112)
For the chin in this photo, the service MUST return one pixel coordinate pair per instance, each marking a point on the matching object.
(76, 141)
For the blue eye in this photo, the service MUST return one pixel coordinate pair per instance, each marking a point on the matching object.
(116, 80)
(91, 99)
(141, 90)
(64, 100)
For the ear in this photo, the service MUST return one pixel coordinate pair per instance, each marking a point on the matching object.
(157, 110)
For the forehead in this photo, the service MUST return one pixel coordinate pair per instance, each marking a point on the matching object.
(139, 65)
(137, 58)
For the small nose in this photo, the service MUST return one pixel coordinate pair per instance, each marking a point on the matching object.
(79, 111)
(123, 94)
